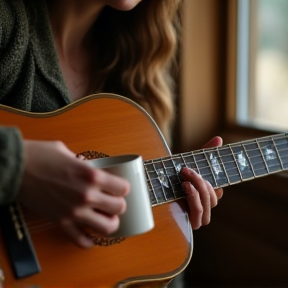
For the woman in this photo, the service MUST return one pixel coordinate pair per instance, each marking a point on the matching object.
(54, 52)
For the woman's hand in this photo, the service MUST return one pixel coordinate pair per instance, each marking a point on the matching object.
(201, 197)
(70, 193)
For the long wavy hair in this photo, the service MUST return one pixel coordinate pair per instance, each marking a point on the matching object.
(135, 57)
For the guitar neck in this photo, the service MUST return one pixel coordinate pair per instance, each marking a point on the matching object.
(221, 166)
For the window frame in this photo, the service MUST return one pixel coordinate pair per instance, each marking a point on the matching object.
(236, 129)
(235, 117)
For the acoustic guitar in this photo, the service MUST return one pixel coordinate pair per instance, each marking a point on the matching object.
(33, 251)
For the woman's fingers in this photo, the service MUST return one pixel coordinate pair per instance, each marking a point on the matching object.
(201, 197)
(203, 190)
(195, 205)
(80, 196)
(97, 221)
(106, 203)
(200, 194)
(77, 235)
(110, 183)
(219, 193)
(214, 142)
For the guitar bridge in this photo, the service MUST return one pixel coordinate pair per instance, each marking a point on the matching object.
(16, 222)
(18, 243)
(2, 278)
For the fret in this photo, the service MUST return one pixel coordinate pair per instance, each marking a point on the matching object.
(242, 159)
(214, 168)
(270, 154)
(172, 168)
(209, 166)
(189, 161)
(222, 175)
(276, 150)
(179, 162)
(264, 159)
(185, 164)
(236, 155)
(211, 158)
(150, 174)
(281, 144)
(179, 191)
(161, 180)
(164, 180)
(229, 164)
(255, 158)
(251, 166)
(203, 166)
(198, 161)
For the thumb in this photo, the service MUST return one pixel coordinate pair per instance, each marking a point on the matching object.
(214, 142)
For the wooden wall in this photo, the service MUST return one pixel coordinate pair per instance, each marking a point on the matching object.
(202, 101)
(246, 243)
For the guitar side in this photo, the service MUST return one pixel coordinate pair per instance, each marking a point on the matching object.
(111, 125)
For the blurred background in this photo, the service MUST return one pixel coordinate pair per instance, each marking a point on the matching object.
(234, 83)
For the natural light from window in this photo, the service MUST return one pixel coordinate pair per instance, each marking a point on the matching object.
(262, 81)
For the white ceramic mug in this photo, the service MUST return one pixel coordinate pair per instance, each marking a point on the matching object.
(138, 217)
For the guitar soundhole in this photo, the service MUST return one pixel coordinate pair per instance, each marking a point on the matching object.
(88, 155)
(99, 241)
(103, 241)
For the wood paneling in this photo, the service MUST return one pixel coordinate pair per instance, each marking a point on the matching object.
(202, 72)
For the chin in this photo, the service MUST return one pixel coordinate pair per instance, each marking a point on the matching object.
(123, 5)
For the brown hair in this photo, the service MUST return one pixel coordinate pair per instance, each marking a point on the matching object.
(135, 55)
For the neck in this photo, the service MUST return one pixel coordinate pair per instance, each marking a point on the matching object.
(71, 23)
(220, 166)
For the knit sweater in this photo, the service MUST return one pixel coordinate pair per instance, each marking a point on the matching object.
(30, 80)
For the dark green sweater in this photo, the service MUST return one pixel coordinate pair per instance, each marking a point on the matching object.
(30, 79)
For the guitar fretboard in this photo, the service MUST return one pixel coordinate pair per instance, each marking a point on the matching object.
(221, 166)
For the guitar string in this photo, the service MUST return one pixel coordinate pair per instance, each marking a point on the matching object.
(33, 221)
(244, 173)
(269, 139)
(190, 164)
(35, 225)
(181, 192)
(41, 227)
(165, 159)
(215, 149)
(223, 169)
(40, 224)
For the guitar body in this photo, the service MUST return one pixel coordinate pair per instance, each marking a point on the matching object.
(111, 125)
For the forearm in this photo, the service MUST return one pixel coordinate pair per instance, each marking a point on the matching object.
(11, 163)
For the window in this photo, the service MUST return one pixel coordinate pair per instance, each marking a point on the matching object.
(262, 64)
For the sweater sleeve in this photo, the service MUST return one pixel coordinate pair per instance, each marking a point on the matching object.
(11, 147)
(11, 163)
